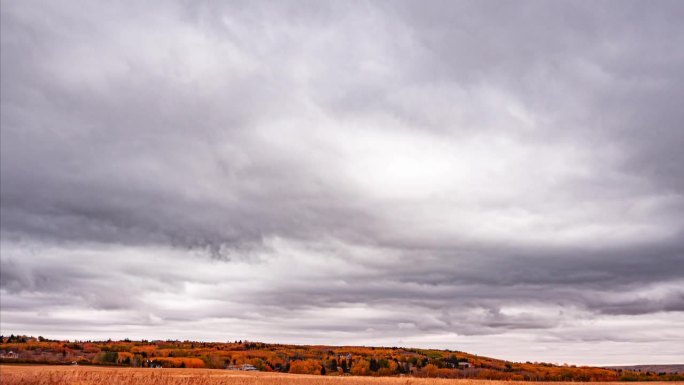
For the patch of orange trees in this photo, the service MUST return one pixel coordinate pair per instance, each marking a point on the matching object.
(325, 360)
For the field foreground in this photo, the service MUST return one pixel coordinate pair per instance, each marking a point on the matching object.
(91, 375)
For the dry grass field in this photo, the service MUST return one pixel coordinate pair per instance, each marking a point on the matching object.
(91, 375)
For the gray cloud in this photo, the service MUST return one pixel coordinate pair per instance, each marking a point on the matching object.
(450, 174)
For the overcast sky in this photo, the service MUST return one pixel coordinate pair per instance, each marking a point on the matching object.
(500, 177)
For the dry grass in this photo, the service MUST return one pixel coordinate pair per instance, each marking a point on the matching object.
(82, 375)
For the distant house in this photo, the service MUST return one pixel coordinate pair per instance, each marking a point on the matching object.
(245, 367)
(10, 354)
(464, 364)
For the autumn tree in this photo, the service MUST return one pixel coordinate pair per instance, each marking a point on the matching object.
(305, 367)
(360, 368)
(429, 370)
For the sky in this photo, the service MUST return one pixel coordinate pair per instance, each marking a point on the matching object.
(498, 177)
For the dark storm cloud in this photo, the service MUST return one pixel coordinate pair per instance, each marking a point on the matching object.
(346, 172)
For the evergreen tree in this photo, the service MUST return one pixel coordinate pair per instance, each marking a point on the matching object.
(373, 365)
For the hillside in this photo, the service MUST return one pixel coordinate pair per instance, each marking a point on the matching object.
(675, 368)
(300, 359)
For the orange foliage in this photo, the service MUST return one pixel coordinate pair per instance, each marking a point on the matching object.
(305, 367)
(178, 362)
(335, 360)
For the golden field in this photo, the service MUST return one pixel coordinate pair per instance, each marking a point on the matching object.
(91, 375)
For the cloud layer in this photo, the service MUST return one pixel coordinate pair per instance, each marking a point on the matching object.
(502, 178)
